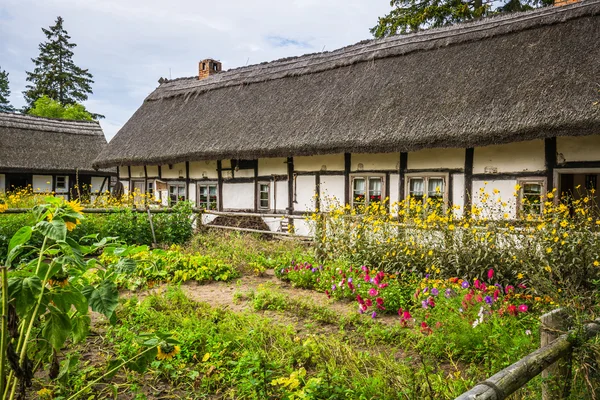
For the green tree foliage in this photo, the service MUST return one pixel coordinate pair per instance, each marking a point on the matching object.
(409, 16)
(49, 108)
(5, 93)
(55, 74)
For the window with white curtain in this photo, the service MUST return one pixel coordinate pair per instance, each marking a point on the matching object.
(366, 190)
(420, 187)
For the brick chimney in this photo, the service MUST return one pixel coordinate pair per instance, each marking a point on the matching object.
(208, 67)
(559, 3)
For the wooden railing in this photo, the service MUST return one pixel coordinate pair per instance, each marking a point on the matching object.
(556, 347)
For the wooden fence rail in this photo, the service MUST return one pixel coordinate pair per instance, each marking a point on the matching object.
(512, 378)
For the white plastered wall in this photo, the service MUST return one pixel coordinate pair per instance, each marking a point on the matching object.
(582, 148)
(152, 171)
(2, 183)
(305, 186)
(332, 162)
(177, 171)
(137, 172)
(436, 159)
(332, 191)
(97, 183)
(192, 193)
(272, 166)
(394, 189)
(375, 161)
(203, 169)
(458, 194)
(42, 183)
(123, 172)
(493, 207)
(125, 187)
(511, 157)
(280, 195)
(238, 196)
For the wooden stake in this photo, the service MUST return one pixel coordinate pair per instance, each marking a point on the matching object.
(556, 377)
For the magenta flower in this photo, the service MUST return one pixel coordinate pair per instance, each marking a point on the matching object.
(373, 292)
(490, 274)
(364, 268)
(509, 288)
(406, 315)
(523, 308)
(359, 299)
(368, 302)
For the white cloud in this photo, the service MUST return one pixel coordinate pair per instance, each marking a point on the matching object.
(128, 44)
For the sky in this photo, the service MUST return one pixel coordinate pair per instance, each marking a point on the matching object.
(129, 44)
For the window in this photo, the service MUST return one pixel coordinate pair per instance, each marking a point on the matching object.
(423, 187)
(176, 192)
(366, 190)
(207, 196)
(591, 182)
(263, 196)
(530, 196)
(150, 188)
(61, 182)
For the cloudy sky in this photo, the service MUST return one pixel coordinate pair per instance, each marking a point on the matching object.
(129, 44)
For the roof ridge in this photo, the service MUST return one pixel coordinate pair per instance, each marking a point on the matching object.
(367, 47)
(18, 115)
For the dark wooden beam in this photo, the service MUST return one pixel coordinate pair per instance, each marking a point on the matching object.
(318, 191)
(387, 187)
(469, 155)
(290, 178)
(219, 185)
(402, 178)
(256, 188)
(347, 167)
(145, 185)
(550, 154)
(187, 180)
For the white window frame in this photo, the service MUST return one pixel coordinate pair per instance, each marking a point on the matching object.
(199, 185)
(177, 185)
(63, 189)
(367, 177)
(531, 180)
(425, 176)
(259, 192)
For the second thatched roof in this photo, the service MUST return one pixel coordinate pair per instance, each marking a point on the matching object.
(510, 78)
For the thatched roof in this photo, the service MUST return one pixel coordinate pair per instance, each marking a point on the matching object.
(509, 78)
(36, 144)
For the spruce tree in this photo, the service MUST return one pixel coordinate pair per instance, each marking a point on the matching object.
(5, 93)
(55, 74)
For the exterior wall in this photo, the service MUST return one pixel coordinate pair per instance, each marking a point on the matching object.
(493, 208)
(332, 191)
(511, 157)
(203, 170)
(280, 196)
(394, 189)
(42, 183)
(137, 172)
(97, 183)
(192, 193)
(573, 149)
(272, 166)
(458, 194)
(332, 162)
(152, 171)
(177, 171)
(238, 196)
(123, 172)
(304, 193)
(375, 161)
(436, 159)
(2, 183)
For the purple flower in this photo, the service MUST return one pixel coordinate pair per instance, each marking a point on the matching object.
(425, 290)
(489, 300)
(333, 287)
(435, 292)
(374, 314)
(424, 304)
(282, 270)
(314, 270)
(448, 293)
(350, 280)
(427, 276)
(465, 284)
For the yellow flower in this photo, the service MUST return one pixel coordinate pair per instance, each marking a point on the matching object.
(596, 263)
(549, 250)
(167, 351)
(45, 394)
(3, 207)
(520, 276)
(71, 225)
(75, 206)
(550, 195)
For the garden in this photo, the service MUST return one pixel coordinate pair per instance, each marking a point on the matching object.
(416, 303)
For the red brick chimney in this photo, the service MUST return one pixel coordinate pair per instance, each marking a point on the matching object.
(208, 67)
(559, 3)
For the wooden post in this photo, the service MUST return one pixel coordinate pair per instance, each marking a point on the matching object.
(557, 376)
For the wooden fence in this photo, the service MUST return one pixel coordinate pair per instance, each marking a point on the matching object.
(552, 359)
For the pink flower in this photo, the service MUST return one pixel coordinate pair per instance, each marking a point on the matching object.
(406, 315)
(400, 311)
(364, 268)
(367, 278)
(523, 308)
(496, 294)
(351, 286)
(359, 299)
(383, 285)
(327, 293)
(490, 274)
(512, 309)
(368, 302)
(373, 292)
(509, 288)
(476, 284)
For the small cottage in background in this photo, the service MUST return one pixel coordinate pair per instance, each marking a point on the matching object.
(51, 156)
(504, 103)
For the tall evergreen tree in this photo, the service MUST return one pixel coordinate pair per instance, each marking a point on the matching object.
(55, 74)
(5, 93)
(412, 15)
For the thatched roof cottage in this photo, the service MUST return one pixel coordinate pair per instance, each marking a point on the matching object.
(50, 155)
(503, 100)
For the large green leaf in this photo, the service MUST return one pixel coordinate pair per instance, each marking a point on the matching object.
(81, 327)
(25, 292)
(55, 229)
(21, 237)
(64, 299)
(125, 266)
(56, 328)
(103, 298)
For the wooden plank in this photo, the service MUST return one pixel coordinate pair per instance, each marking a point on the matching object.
(556, 377)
